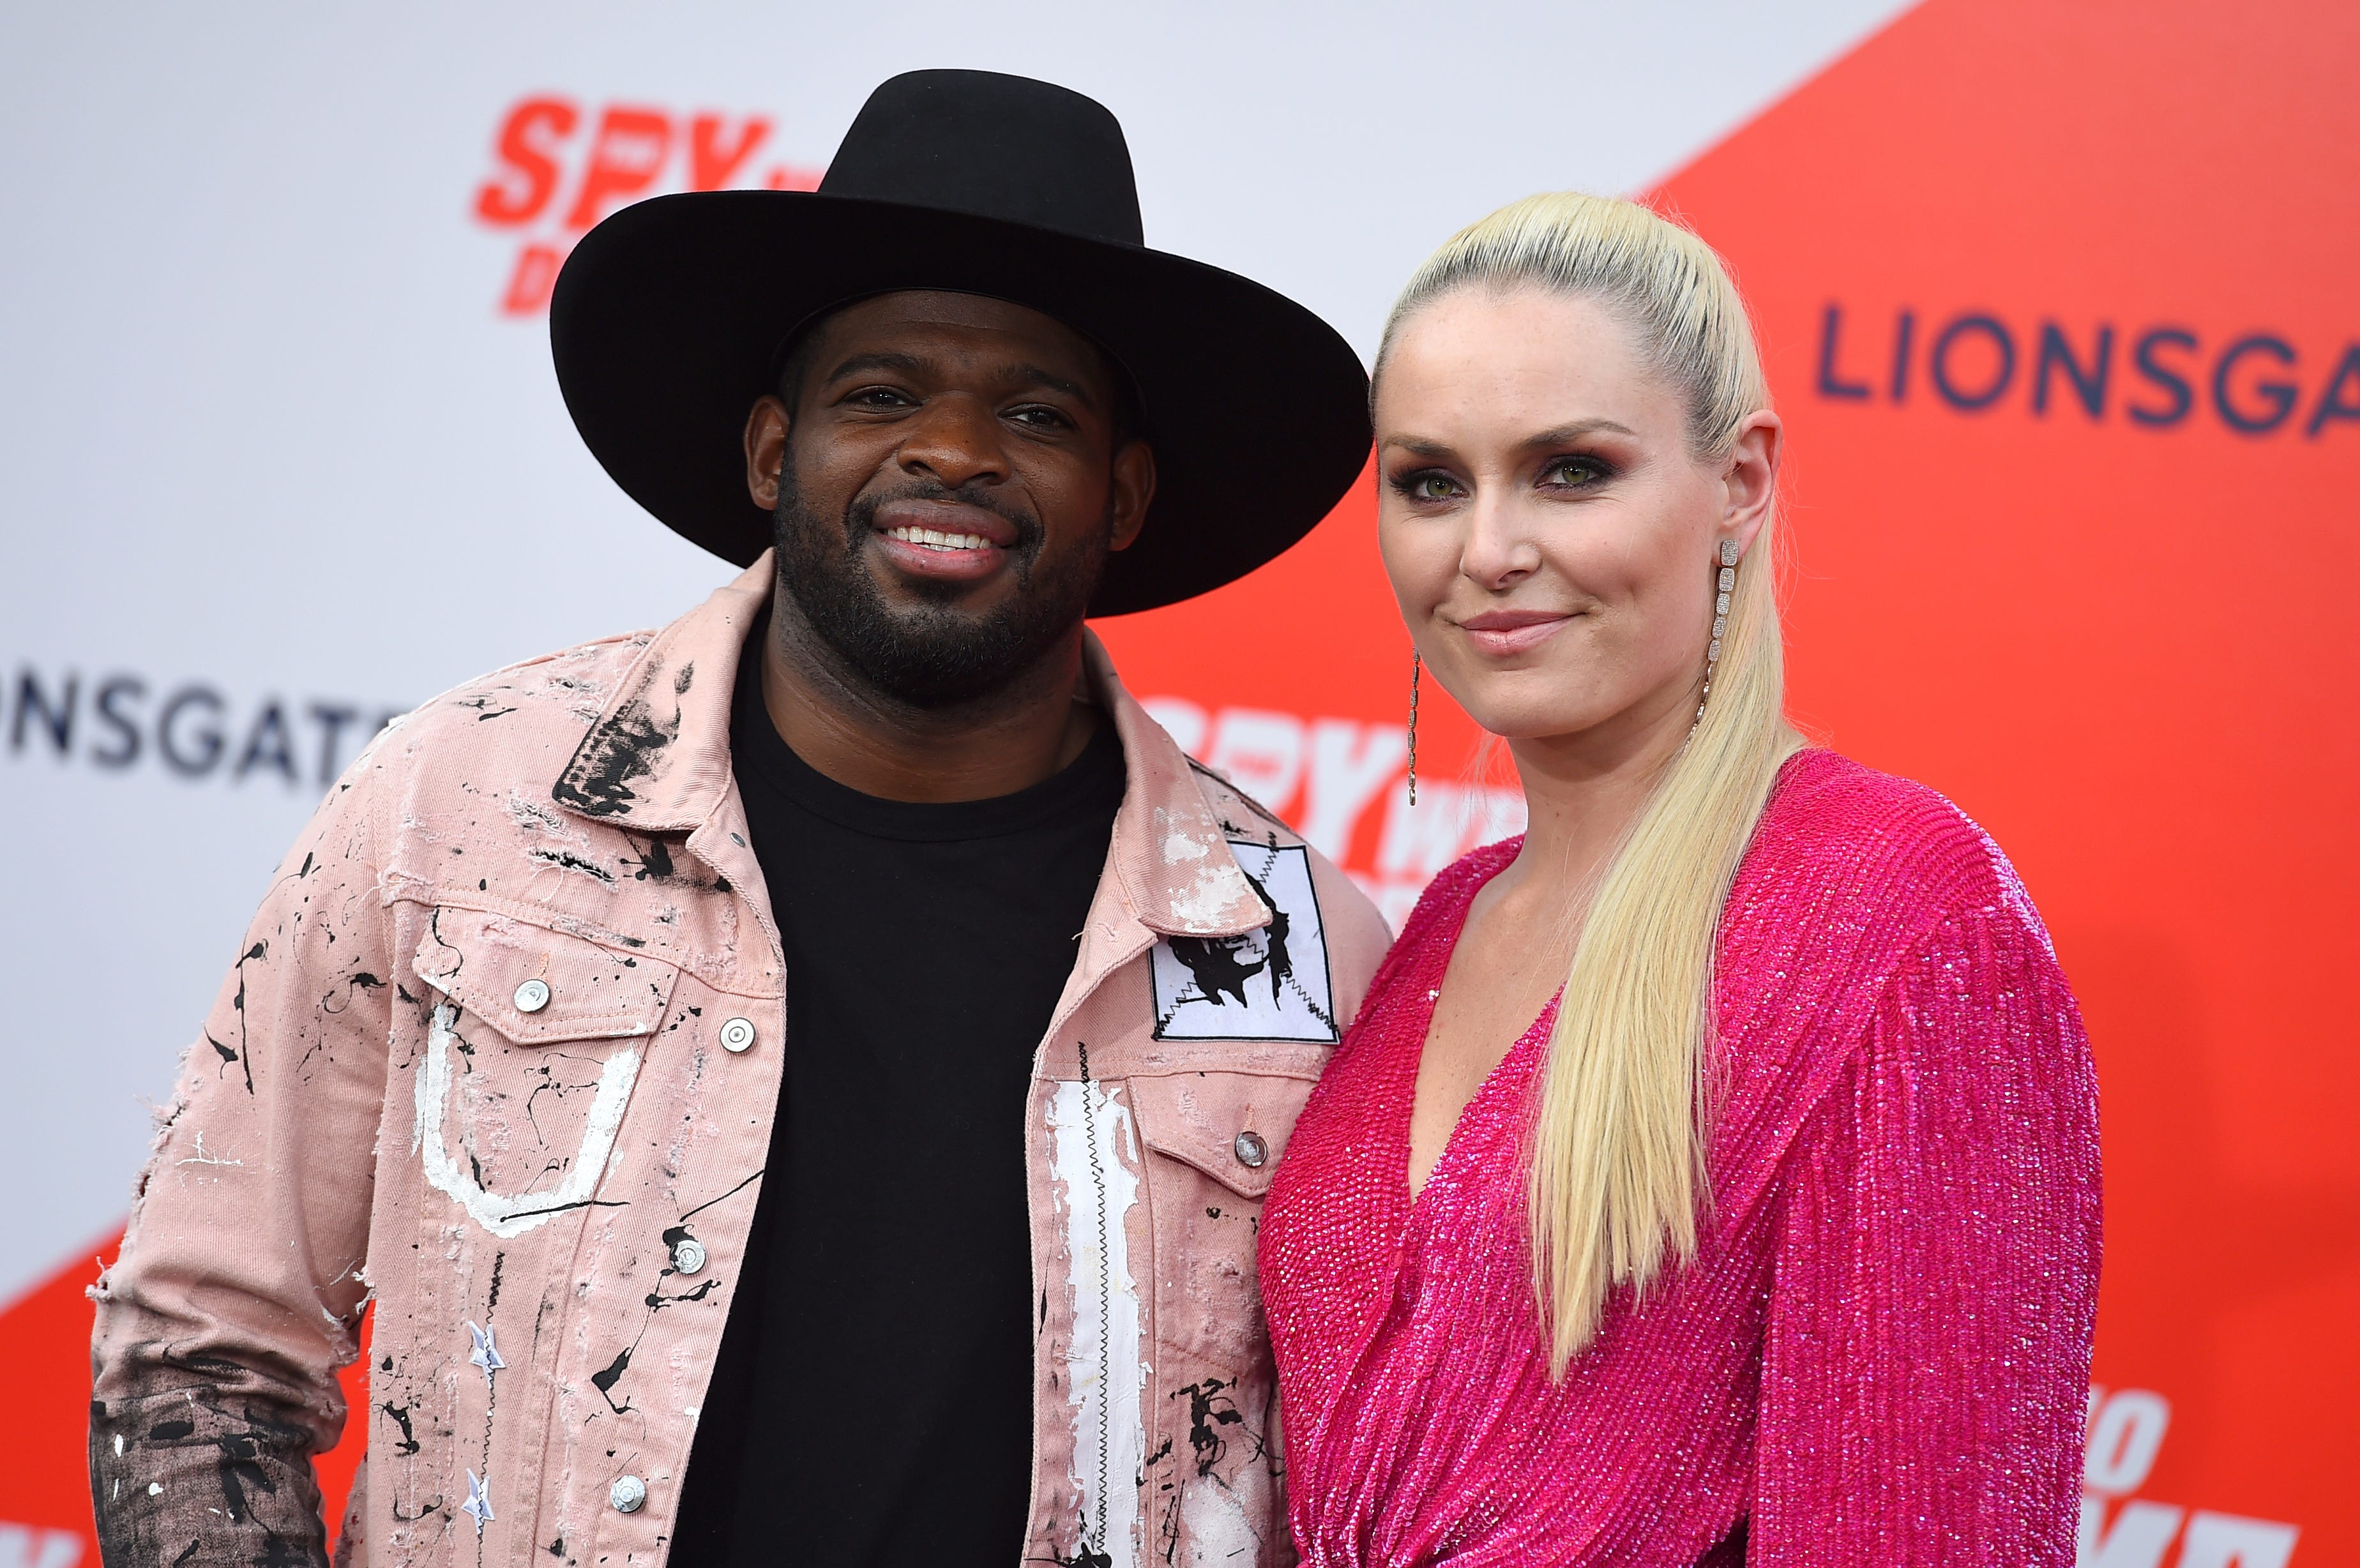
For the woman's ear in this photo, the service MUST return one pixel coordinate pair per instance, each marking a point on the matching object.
(1750, 478)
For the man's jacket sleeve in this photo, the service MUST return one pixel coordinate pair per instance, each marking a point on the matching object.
(242, 1281)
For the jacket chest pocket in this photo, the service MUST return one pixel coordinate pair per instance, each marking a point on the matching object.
(1212, 1141)
(534, 1043)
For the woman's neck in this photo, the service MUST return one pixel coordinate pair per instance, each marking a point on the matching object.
(1582, 792)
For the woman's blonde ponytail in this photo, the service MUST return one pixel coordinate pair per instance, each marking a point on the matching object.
(1617, 1155)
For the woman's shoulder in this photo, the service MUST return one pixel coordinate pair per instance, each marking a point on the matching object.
(1844, 840)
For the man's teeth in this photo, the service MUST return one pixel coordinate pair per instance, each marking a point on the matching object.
(934, 538)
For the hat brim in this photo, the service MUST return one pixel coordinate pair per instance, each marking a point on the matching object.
(664, 321)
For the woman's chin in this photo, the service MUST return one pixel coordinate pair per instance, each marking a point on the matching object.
(1533, 720)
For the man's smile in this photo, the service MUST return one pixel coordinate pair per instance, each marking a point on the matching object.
(934, 540)
(943, 541)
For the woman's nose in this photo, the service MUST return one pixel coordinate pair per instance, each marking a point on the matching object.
(1500, 546)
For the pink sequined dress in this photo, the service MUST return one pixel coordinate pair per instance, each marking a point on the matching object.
(1881, 1355)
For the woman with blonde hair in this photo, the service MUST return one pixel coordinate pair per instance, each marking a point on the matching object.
(1711, 1175)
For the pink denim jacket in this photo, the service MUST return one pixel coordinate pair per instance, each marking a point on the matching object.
(500, 1053)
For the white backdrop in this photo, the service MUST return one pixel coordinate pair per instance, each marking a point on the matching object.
(273, 458)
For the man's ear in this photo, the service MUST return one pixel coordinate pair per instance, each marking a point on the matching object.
(766, 450)
(1134, 491)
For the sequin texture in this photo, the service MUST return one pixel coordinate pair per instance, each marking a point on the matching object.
(1881, 1355)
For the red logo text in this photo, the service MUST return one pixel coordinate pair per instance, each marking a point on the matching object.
(558, 166)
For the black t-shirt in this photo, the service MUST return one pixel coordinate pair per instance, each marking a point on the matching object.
(872, 1398)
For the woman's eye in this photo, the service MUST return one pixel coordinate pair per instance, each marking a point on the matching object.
(1428, 484)
(1571, 473)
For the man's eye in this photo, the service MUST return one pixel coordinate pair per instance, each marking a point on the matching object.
(1039, 418)
(876, 398)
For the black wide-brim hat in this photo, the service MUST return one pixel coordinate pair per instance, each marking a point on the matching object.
(668, 321)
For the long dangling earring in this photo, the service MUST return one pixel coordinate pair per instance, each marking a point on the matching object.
(1413, 665)
(1727, 581)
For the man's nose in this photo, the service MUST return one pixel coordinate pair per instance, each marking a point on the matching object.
(955, 440)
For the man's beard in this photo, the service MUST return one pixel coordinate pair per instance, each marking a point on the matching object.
(937, 656)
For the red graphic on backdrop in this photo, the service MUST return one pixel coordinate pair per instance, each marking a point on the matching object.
(2057, 303)
(558, 166)
(2121, 642)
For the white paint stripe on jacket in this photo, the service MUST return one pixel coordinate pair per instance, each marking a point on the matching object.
(1097, 1163)
(510, 1216)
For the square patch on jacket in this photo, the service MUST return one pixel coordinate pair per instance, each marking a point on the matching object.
(1269, 983)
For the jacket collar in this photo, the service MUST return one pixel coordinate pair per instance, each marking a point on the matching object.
(657, 758)
(657, 761)
(1169, 853)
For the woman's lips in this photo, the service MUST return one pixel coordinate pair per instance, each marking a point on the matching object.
(1503, 631)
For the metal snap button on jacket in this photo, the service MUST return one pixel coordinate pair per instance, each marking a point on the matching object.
(1251, 1151)
(738, 1034)
(628, 1494)
(532, 996)
(687, 1256)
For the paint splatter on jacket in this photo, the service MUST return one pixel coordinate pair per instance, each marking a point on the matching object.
(499, 1054)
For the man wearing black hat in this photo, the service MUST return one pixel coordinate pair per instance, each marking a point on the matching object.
(762, 1070)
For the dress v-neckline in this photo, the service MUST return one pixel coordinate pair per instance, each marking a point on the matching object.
(1453, 1145)
(1486, 1090)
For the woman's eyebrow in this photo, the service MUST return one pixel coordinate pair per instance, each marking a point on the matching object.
(1417, 446)
(1561, 434)
(1556, 435)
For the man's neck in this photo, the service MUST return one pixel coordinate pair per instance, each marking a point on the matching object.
(1010, 739)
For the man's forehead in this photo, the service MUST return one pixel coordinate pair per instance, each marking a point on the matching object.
(961, 323)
